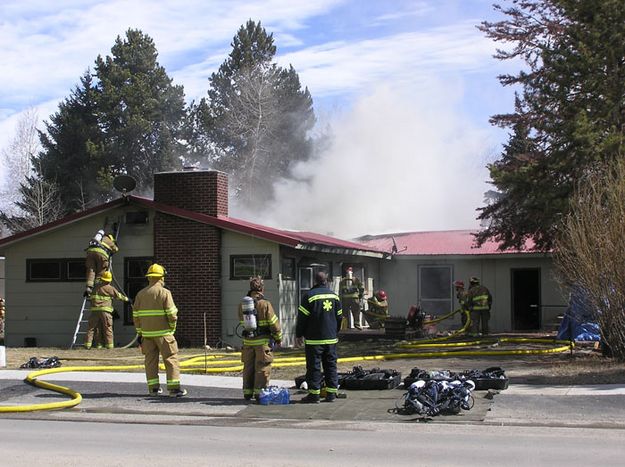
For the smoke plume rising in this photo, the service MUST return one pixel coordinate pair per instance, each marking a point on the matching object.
(396, 163)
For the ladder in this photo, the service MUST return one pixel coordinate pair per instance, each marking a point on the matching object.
(81, 325)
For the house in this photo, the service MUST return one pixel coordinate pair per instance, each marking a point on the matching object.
(526, 295)
(209, 257)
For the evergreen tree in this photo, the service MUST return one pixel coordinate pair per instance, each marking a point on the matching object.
(72, 149)
(139, 110)
(569, 116)
(255, 123)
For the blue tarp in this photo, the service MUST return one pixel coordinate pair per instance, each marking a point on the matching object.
(578, 323)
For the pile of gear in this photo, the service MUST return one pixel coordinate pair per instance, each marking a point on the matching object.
(375, 378)
(434, 397)
(490, 378)
(34, 362)
(444, 392)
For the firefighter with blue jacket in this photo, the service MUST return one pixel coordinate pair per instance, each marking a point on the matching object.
(318, 323)
(260, 325)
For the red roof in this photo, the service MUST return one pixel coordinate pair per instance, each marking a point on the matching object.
(299, 240)
(447, 242)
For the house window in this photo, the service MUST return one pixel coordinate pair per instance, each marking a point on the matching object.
(135, 270)
(288, 268)
(55, 270)
(435, 293)
(242, 267)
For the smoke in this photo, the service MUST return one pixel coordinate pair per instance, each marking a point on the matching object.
(398, 162)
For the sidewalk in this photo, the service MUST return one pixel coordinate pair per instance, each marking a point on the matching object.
(217, 400)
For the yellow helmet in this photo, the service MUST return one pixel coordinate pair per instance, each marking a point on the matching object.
(106, 276)
(156, 270)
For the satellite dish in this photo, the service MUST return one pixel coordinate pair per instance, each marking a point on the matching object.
(124, 184)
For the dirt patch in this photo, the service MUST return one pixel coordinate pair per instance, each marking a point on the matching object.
(583, 366)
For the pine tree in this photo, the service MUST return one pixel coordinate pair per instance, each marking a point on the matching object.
(571, 108)
(72, 149)
(255, 123)
(139, 110)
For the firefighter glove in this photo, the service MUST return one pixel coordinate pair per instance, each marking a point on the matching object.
(87, 292)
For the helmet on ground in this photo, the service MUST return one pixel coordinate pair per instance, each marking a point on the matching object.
(474, 280)
(156, 270)
(458, 284)
(106, 276)
(381, 295)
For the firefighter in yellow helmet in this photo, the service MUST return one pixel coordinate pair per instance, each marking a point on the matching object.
(155, 315)
(99, 253)
(260, 324)
(102, 311)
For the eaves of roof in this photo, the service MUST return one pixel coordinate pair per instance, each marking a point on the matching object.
(298, 240)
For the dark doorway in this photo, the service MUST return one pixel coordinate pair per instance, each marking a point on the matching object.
(526, 299)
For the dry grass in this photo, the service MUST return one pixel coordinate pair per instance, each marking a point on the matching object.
(585, 366)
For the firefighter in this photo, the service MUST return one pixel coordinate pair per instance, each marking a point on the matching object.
(99, 253)
(478, 301)
(378, 310)
(260, 325)
(2, 313)
(102, 311)
(318, 323)
(461, 294)
(352, 293)
(155, 315)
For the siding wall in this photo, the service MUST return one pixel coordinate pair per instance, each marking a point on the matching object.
(400, 280)
(48, 311)
(233, 290)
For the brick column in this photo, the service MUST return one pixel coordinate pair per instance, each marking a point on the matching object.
(191, 251)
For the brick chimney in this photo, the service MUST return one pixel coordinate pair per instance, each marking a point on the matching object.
(191, 251)
(201, 191)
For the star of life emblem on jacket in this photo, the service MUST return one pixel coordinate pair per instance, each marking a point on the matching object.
(327, 305)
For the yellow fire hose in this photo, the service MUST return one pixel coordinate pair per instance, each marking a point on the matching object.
(200, 363)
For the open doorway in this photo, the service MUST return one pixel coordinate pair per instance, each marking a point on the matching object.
(526, 299)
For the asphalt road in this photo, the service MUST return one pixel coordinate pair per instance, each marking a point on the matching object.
(54, 443)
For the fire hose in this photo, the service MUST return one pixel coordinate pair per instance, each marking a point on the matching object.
(209, 364)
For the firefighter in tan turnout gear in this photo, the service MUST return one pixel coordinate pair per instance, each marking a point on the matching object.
(102, 311)
(260, 324)
(99, 253)
(352, 292)
(478, 301)
(155, 315)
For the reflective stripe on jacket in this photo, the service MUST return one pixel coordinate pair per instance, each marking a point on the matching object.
(102, 297)
(478, 298)
(154, 312)
(319, 316)
(266, 321)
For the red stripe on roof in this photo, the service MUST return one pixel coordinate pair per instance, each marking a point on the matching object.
(447, 242)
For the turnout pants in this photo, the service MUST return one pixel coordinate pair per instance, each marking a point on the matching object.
(479, 320)
(351, 306)
(168, 348)
(316, 357)
(102, 322)
(256, 369)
